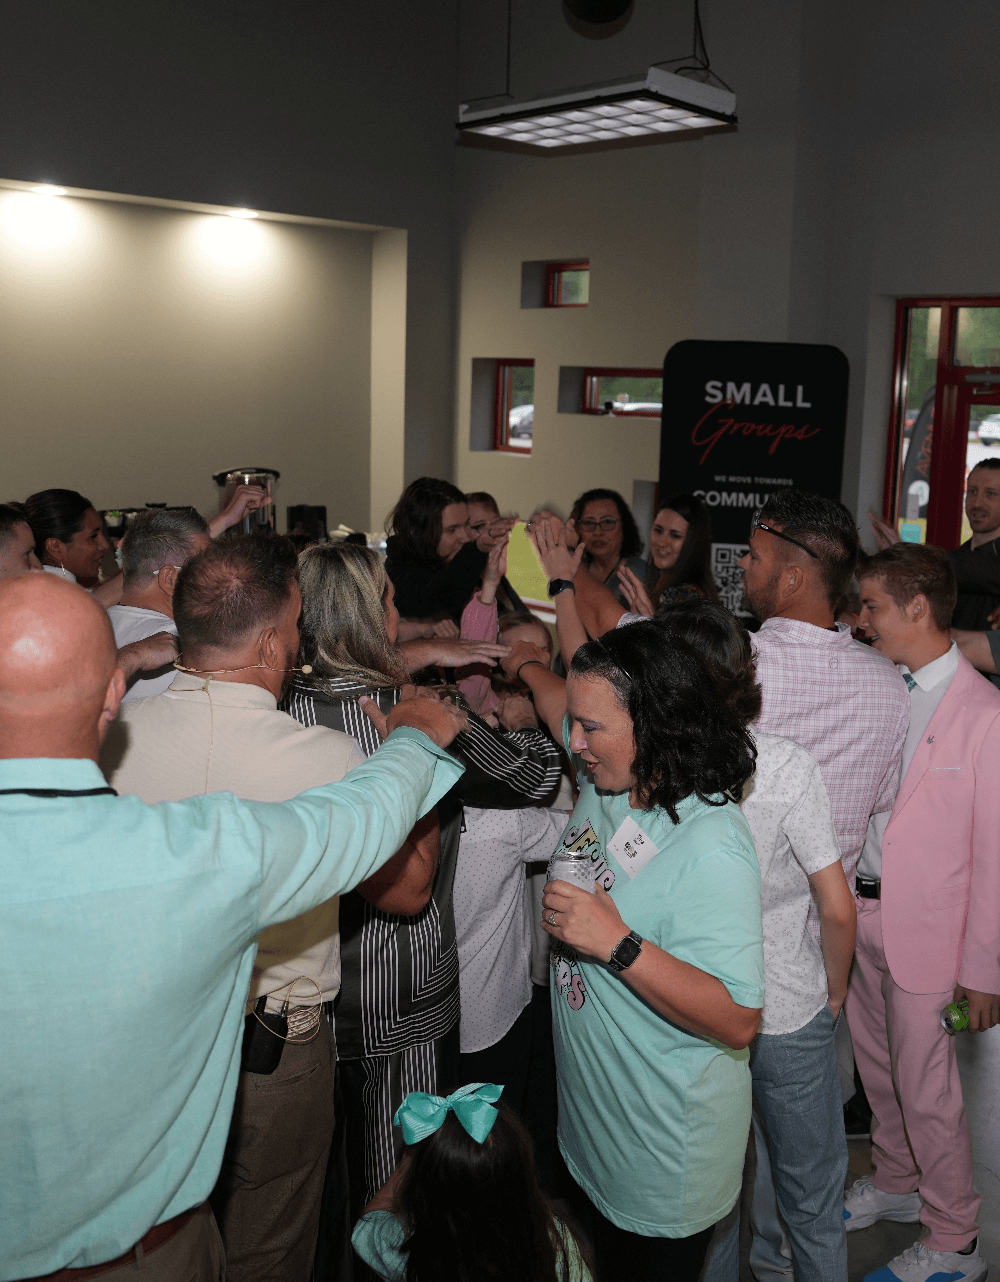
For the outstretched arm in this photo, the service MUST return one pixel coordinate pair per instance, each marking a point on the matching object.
(244, 499)
(530, 664)
(147, 655)
(597, 607)
(559, 562)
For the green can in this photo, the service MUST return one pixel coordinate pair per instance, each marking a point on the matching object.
(955, 1016)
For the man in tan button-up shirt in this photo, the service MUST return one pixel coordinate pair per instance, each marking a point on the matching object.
(218, 729)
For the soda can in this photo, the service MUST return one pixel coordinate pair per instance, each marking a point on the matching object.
(955, 1016)
(574, 867)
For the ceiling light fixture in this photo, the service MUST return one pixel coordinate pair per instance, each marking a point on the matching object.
(242, 213)
(662, 107)
(665, 106)
(47, 189)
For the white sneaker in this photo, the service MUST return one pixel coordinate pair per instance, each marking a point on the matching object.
(919, 1264)
(864, 1204)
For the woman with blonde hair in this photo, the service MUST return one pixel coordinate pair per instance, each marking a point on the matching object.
(398, 1009)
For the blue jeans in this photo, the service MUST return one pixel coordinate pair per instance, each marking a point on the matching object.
(798, 1115)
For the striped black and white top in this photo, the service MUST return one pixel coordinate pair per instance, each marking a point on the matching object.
(399, 985)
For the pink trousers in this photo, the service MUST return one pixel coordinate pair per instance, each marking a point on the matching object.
(920, 1132)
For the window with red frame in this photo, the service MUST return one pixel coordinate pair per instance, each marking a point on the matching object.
(945, 415)
(633, 393)
(567, 284)
(515, 406)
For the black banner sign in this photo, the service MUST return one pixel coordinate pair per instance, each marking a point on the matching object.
(743, 419)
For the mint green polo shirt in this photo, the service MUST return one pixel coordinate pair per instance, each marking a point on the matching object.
(653, 1119)
(128, 939)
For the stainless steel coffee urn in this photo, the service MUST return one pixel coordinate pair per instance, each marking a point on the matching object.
(262, 476)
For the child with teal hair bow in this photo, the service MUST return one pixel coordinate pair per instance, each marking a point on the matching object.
(464, 1202)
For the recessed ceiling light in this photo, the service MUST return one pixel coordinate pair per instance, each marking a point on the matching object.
(661, 106)
(242, 213)
(47, 189)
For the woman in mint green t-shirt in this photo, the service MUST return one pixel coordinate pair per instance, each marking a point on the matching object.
(657, 977)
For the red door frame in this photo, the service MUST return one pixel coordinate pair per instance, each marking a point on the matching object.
(949, 441)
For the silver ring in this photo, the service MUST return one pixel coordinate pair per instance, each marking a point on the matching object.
(552, 916)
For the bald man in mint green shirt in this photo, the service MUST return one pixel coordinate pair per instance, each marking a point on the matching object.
(128, 941)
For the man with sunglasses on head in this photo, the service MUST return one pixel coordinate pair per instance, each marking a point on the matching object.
(839, 699)
(828, 692)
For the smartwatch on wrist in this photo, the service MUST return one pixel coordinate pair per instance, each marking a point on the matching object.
(625, 953)
(560, 585)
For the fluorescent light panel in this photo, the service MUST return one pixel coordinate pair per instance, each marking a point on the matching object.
(662, 105)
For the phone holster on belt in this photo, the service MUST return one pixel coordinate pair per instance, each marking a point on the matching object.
(264, 1034)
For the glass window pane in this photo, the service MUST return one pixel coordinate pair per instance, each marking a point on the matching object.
(983, 442)
(977, 336)
(919, 374)
(630, 394)
(572, 288)
(517, 409)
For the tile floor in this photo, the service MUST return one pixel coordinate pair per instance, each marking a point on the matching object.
(869, 1249)
(979, 1065)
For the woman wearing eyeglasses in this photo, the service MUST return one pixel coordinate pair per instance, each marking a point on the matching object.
(657, 972)
(606, 527)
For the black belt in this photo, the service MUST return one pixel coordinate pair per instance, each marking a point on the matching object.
(867, 888)
(58, 792)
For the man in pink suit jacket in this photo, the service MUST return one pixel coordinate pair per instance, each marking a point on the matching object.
(928, 923)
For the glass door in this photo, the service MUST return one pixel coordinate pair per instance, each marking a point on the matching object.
(946, 413)
(980, 411)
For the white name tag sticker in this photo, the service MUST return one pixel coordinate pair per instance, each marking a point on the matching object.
(631, 847)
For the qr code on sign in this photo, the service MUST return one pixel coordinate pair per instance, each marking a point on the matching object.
(726, 571)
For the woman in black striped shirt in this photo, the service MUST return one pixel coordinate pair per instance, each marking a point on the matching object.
(398, 1010)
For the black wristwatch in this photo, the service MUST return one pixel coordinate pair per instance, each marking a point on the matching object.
(625, 953)
(560, 585)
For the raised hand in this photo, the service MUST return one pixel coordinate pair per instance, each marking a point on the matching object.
(521, 653)
(557, 560)
(496, 568)
(634, 591)
(245, 498)
(497, 529)
(885, 535)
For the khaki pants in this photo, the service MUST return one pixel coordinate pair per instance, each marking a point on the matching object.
(268, 1196)
(193, 1255)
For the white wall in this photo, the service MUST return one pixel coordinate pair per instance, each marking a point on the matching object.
(641, 240)
(147, 348)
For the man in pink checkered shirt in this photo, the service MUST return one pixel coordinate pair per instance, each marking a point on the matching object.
(841, 699)
(850, 707)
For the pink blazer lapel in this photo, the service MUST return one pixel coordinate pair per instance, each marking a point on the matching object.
(945, 727)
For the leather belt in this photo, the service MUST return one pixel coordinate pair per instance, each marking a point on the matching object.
(157, 1236)
(866, 888)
